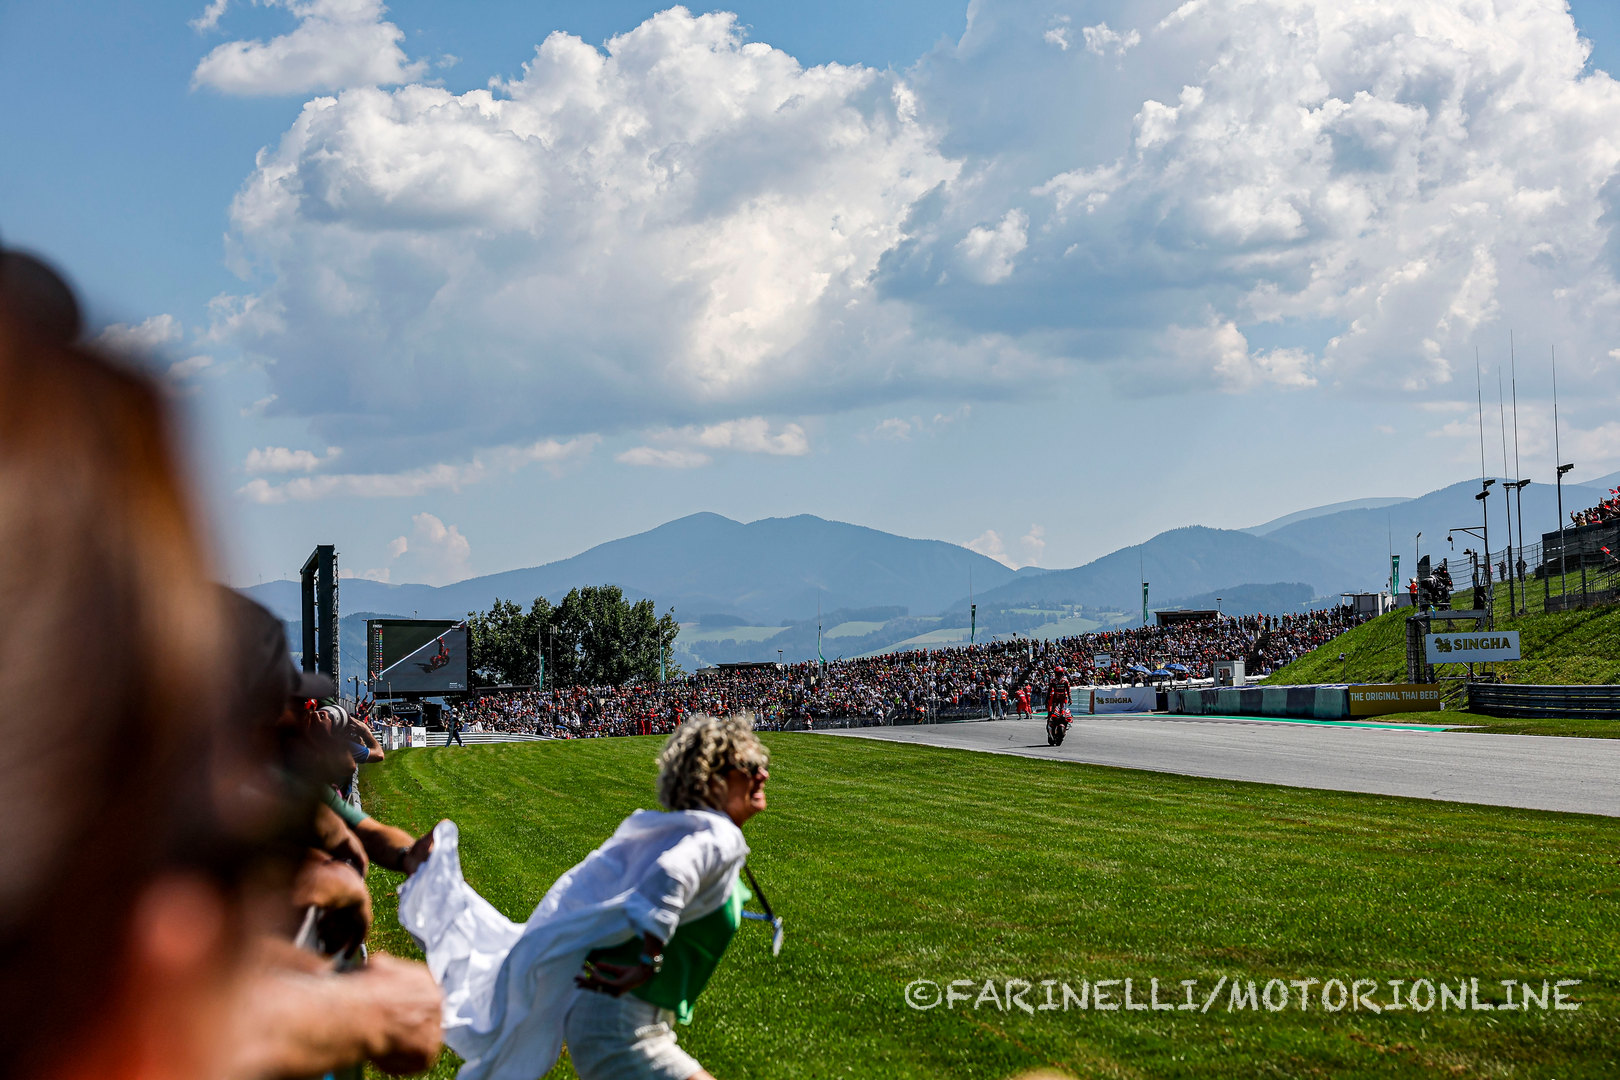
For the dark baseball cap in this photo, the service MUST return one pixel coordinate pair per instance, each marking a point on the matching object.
(265, 676)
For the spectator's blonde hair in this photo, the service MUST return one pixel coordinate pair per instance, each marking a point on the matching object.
(693, 764)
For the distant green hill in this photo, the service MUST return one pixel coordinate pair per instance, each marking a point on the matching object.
(1574, 647)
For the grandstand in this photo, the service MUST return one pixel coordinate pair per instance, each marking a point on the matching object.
(912, 686)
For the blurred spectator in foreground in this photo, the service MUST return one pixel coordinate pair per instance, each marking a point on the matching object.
(156, 846)
(132, 862)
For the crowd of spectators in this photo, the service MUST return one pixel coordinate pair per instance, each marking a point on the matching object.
(912, 684)
(1603, 513)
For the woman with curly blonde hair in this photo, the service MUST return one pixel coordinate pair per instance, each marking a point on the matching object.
(621, 946)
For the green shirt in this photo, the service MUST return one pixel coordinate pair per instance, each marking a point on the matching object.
(690, 956)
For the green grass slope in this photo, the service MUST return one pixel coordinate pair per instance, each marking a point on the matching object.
(895, 863)
(1576, 647)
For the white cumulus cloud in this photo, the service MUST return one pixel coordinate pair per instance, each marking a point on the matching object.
(210, 16)
(895, 428)
(451, 476)
(990, 544)
(1100, 40)
(686, 448)
(1377, 184)
(682, 224)
(336, 44)
(433, 554)
(145, 337)
(1034, 544)
(988, 253)
(752, 435)
(685, 226)
(280, 459)
(667, 457)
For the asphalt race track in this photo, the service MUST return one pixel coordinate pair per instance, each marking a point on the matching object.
(1532, 771)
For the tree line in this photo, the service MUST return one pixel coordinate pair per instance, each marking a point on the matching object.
(595, 637)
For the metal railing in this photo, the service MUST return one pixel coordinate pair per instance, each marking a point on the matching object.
(1541, 576)
(1497, 699)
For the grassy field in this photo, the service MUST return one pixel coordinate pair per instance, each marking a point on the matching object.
(1559, 647)
(894, 863)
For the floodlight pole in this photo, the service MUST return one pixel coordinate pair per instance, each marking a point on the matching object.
(1563, 585)
(1507, 509)
(1558, 455)
(1518, 498)
(1484, 498)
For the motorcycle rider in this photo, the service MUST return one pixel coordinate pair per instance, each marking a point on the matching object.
(1057, 691)
(1057, 698)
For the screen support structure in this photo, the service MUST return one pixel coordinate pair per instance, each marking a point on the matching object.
(318, 582)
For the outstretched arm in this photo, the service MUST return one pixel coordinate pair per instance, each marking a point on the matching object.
(393, 847)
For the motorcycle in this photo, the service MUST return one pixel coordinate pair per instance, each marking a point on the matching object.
(437, 660)
(1057, 726)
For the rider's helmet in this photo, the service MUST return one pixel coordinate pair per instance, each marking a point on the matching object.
(1060, 671)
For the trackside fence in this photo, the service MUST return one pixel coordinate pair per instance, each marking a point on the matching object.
(1518, 700)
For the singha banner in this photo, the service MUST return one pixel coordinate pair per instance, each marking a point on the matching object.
(1472, 648)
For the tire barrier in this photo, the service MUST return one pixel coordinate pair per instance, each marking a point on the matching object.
(1299, 702)
(1524, 701)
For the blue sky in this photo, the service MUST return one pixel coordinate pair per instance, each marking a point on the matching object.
(1045, 280)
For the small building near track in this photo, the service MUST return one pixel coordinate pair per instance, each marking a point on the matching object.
(1367, 603)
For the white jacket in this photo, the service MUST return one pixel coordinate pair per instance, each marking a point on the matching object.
(508, 986)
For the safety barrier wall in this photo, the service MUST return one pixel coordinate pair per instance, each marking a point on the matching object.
(1302, 702)
(400, 738)
(1113, 699)
(1516, 700)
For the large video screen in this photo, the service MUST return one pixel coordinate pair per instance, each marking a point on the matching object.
(416, 656)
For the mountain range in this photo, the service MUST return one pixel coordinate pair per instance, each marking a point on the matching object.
(767, 574)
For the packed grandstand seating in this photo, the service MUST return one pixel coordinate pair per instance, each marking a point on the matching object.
(909, 684)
